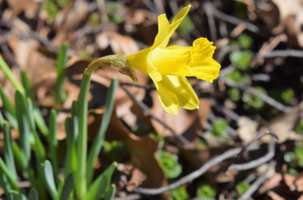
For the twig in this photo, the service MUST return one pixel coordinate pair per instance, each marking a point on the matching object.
(236, 21)
(102, 11)
(211, 21)
(257, 183)
(262, 96)
(282, 53)
(195, 174)
(228, 112)
(258, 137)
(255, 163)
(147, 112)
(244, 148)
(147, 87)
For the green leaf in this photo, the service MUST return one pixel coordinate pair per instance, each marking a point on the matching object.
(288, 95)
(70, 165)
(234, 94)
(179, 193)
(17, 195)
(101, 184)
(252, 100)
(96, 147)
(111, 193)
(10, 76)
(220, 126)
(53, 142)
(8, 153)
(61, 62)
(33, 195)
(206, 191)
(24, 127)
(68, 187)
(245, 41)
(49, 179)
(4, 184)
(241, 59)
(242, 187)
(169, 164)
(51, 9)
(4, 170)
(40, 151)
(36, 111)
(9, 109)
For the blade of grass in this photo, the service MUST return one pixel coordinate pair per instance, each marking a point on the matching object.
(96, 147)
(36, 111)
(17, 195)
(81, 184)
(1, 119)
(10, 76)
(24, 127)
(8, 152)
(4, 184)
(68, 187)
(101, 184)
(111, 193)
(70, 165)
(39, 150)
(61, 62)
(53, 142)
(4, 170)
(33, 195)
(9, 109)
(49, 179)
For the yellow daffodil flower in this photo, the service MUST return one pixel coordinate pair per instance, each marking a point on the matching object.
(169, 66)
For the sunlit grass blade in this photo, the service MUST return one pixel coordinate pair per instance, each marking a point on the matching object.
(96, 147)
(61, 61)
(101, 184)
(111, 193)
(8, 152)
(49, 179)
(70, 165)
(36, 111)
(80, 175)
(67, 188)
(24, 127)
(53, 142)
(33, 195)
(4, 170)
(10, 76)
(9, 110)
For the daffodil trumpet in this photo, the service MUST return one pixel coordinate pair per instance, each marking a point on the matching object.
(169, 66)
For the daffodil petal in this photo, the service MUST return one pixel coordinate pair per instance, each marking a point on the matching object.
(175, 91)
(187, 61)
(163, 27)
(174, 25)
(168, 99)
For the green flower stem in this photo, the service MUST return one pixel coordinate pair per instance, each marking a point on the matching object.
(118, 62)
(10, 76)
(81, 186)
